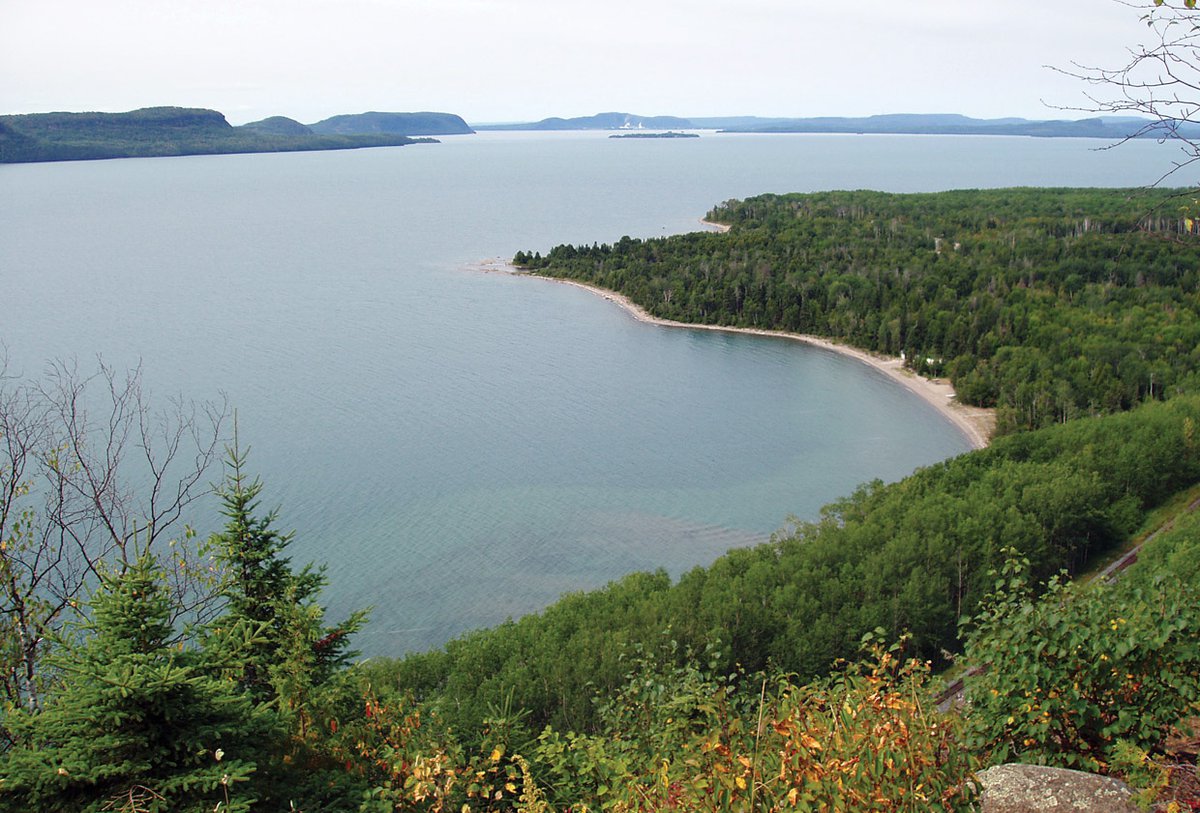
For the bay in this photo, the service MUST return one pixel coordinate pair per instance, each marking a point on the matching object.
(461, 447)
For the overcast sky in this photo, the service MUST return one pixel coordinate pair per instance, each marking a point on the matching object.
(521, 60)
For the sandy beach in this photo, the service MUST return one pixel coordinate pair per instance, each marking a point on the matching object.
(975, 423)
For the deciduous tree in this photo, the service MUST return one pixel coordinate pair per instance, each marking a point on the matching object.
(86, 467)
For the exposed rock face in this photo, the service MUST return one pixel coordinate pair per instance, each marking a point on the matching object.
(1032, 788)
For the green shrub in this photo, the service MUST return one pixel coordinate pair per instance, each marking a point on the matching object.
(1073, 673)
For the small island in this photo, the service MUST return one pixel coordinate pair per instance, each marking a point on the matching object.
(671, 134)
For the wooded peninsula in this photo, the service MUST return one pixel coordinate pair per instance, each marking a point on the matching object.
(1046, 304)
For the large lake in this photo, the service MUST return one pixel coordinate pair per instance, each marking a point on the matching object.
(461, 447)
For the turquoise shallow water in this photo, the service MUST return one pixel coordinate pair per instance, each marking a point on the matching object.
(457, 446)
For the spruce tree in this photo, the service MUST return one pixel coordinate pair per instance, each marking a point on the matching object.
(266, 595)
(283, 652)
(138, 721)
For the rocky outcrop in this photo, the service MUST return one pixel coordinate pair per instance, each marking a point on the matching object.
(1033, 788)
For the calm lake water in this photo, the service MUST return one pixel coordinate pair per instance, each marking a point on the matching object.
(461, 447)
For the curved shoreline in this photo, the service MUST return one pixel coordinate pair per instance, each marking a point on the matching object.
(710, 225)
(975, 423)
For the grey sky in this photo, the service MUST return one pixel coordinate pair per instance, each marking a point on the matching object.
(506, 60)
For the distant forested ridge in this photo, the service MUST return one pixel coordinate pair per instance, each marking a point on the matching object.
(1114, 128)
(600, 121)
(1047, 304)
(1109, 127)
(278, 125)
(162, 131)
(408, 124)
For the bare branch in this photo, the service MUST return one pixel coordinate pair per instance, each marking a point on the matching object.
(89, 473)
(1160, 81)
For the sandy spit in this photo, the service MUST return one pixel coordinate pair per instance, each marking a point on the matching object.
(975, 423)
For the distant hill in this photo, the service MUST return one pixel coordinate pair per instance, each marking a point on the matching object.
(1107, 127)
(726, 122)
(162, 131)
(409, 124)
(278, 125)
(950, 124)
(600, 121)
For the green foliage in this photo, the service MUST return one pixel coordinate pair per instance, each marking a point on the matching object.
(265, 594)
(279, 648)
(1149, 774)
(669, 698)
(147, 716)
(1174, 550)
(1079, 673)
(406, 759)
(138, 716)
(68, 503)
(410, 760)
(1046, 303)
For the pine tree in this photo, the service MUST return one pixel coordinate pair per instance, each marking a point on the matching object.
(264, 593)
(284, 654)
(257, 575)
(138, 721)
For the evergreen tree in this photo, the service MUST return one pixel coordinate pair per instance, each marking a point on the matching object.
(257, 575)
(138, 721)
(264, 594)
(283, 652)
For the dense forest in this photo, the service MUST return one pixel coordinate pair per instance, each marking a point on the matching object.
(160, 131)
(1045, 303)
(143, 668)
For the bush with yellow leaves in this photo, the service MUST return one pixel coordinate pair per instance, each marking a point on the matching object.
(864, 740)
